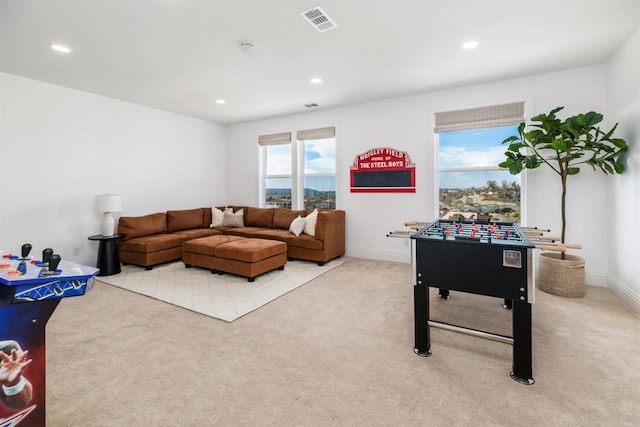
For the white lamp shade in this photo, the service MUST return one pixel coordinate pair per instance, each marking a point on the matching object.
(108, 203)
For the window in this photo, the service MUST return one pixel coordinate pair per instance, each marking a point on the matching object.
(299, 175)
(276, 170)
(319, 173)
(278, 176)
(471, 185)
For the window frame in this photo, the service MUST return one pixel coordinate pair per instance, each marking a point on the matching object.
(263, 176)
(298, 172)
(526, 100)
(303, 172)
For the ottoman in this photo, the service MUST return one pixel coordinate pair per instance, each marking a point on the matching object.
(201, 252)
(234, 254)
(250, 257)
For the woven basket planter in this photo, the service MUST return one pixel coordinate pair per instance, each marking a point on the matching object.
(562, 277)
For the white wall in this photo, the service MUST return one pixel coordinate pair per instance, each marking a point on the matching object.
(60, 147)
(623, 84)
(406, 124)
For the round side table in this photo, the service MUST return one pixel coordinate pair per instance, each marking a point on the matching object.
(108, 259)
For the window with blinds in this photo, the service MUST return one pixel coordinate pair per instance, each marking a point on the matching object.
(318, 167)
(299, 173)
(471, 185)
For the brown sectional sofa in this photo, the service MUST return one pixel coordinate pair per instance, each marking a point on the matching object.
(157, 238)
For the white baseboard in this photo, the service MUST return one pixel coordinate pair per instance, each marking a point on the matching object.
(627, 294)
(596, 279)
(382, 255)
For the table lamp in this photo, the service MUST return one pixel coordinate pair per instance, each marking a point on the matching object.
(107, 203)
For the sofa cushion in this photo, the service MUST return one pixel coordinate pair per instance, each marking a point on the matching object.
(217, 215)
(233, 219)
(304, 241)
(310, 223)
(259, 217)
(157, 242)
(146, 225)
(271, 234)
(250, 250)
(207, 245)
(184, 219)
(196, 233)
(243, 231)
(297, 226)
(282, 217)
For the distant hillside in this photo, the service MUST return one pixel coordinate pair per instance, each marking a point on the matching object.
(271, 191)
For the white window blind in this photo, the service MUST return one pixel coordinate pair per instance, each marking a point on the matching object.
(275, 139)
(483, 117)
(321, 133)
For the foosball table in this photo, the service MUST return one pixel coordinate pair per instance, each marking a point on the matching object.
(493, 259)
(480, 257)
(30, 291)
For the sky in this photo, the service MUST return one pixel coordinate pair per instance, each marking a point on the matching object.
(320, 157)
(474, 148)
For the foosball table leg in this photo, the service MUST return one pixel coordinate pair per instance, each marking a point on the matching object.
(421, 320)
(443, 293)
(522, 343)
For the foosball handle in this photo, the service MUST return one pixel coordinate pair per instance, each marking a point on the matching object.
(54, 261)
(46, 254)
(26, 248)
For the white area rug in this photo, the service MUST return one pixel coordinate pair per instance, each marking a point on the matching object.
(226, 296)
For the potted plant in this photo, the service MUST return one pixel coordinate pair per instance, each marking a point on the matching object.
(564, 146)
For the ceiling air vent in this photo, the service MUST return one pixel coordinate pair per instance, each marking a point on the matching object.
(312, 105)
(319, 19)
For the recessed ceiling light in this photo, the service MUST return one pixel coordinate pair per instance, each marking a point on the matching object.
(316, 80)
(220, 101)
(470, 44)
(60, 48)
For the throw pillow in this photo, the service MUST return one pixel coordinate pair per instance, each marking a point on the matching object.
(216, 217)
(231, 219)
(297, 225)
(310, 223)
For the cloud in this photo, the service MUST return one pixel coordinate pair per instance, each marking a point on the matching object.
(279, 160)
(320, 156)
(455, 156)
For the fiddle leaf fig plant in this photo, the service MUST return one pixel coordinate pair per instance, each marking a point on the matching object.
(564, 146)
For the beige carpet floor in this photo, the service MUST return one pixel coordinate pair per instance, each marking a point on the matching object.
(338, 351)
(226, 297)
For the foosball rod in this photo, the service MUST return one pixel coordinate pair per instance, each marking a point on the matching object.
(535, 228)
(554, 243)
(552, 248)
(557, 240)
(415, 223)
(400, 234)
(403, 232)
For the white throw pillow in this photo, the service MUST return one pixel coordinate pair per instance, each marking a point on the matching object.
(297, 225)
(216, 217)
(231, 219)
(310, 223)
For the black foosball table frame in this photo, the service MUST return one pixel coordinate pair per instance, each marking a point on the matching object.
(482, 265)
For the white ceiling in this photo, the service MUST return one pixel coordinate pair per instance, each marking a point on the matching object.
(182, 55)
